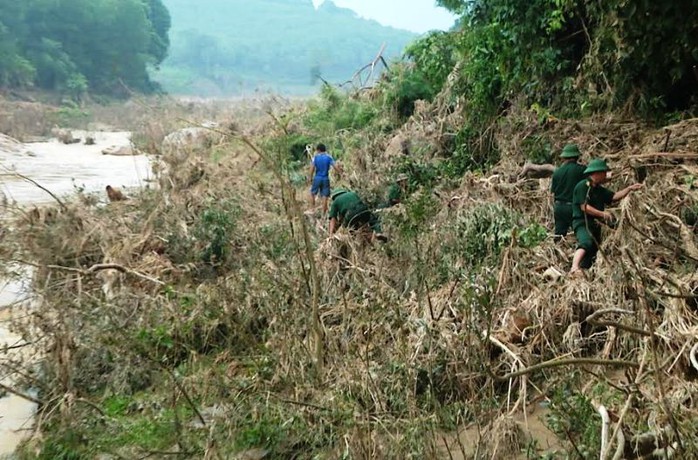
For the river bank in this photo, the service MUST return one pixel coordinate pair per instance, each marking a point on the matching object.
(16, 412)
(61, 169)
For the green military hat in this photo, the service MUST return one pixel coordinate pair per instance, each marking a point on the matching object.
(596, 165)
(336, 192)
(570, 151)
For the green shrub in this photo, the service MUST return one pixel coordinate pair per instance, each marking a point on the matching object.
(209, 236)
(473, 151)
(420, 210)
(532, 235)
(297, 144)
(215, 231)
(574, 54)
(484, 231)
(573, 418)
(419, 172)
(537, 149)
(335, 111)
(435, 55)
(404, 86)
(71, 116)
(65, 446)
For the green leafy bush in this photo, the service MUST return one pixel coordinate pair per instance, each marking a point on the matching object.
(215, 230)
(435, 55)
(572, 417)
(297, 144)
(472, 151)
(335, 111)
(537, 149)
(532, 235)
(66, 446)
(209, 238)
(485, 230)
(576, 55)
(404, 86)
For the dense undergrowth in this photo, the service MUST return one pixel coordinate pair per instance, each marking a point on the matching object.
(233, 327)
(206, 344)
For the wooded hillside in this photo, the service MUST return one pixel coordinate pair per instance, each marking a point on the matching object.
(75, 46)
(223, 47)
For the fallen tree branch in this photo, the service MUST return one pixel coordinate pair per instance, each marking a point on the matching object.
(94, 269)
(666, 155)
(21, 395)
(598, 313)
(372, 66)
(605, 423)
(534, 171)
(566, 362)
(661, 243)
(14, 347)
(623, 327)
(32, 181)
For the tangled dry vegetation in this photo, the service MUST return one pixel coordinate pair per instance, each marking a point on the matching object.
(213, 319)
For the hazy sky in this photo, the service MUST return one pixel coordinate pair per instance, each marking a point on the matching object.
(415, 15)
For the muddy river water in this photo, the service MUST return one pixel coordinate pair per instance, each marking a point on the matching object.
(61, 169)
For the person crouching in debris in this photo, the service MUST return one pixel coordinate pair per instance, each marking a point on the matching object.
(320, 176)
(396, 192)
(115, 194)
(350, 211)
(589, 202)
(564, 180)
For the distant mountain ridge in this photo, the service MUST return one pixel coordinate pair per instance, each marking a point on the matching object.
(230, 47)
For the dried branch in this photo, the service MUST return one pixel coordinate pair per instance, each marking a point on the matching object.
(94, 269)
(32, 181)
(21, 395)
(566, 362)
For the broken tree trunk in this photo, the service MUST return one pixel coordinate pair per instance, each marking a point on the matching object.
(534, 171)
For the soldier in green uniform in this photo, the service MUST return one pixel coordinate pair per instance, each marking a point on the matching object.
(350, 211)
(565, 178)
(396, 191)
(589, 202)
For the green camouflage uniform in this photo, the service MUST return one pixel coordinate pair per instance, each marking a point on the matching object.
(587, 228)
(565, 178)
(394, 197)
(353, 213)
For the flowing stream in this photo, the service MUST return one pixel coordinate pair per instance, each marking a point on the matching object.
(62, 169)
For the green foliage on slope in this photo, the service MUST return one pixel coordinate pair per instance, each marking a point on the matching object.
(577, 55)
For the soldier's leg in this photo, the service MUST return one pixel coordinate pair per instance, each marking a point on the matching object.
(563, 220)
(595, 234)
(586, 248)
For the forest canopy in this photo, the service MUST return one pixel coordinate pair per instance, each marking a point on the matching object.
(75, 46)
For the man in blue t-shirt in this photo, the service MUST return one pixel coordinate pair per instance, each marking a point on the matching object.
(320, 176)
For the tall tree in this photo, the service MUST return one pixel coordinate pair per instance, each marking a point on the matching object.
(70, 45)
(619, 52)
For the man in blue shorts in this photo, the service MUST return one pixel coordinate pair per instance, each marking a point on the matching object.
(320, 176)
